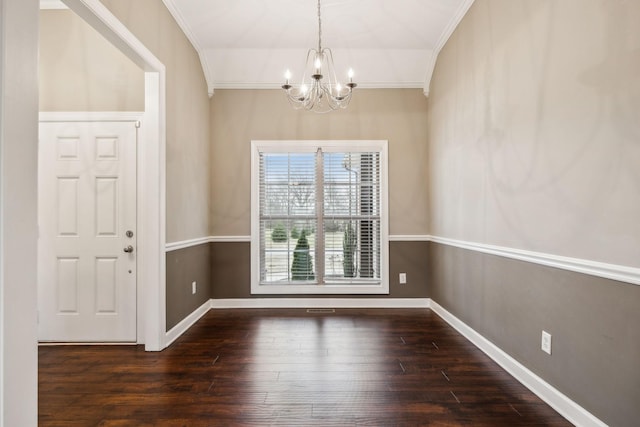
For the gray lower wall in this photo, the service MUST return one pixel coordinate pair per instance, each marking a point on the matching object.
(595, 324)
(231, 271)
(185, 266)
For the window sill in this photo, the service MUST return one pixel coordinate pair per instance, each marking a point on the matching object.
(379, 289)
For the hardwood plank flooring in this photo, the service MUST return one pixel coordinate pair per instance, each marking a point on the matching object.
(290, 368)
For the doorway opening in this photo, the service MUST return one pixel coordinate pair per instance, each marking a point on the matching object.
(150, 165)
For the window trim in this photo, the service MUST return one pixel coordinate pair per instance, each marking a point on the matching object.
(308, 146)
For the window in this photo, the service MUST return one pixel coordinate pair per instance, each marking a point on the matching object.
(319, 217)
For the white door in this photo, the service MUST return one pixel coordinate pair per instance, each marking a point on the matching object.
(87, 232)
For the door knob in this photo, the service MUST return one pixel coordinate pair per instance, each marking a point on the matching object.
(128, 249)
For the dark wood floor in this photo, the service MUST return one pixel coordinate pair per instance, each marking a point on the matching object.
(290, 367)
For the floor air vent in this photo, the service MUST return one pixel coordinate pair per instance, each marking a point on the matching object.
(321, 310)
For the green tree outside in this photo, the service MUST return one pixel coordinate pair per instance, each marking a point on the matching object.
(302, 266)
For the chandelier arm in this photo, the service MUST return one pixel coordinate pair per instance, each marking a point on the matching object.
(333, 79)
(307, 67)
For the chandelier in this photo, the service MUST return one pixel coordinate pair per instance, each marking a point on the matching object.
(319, 90)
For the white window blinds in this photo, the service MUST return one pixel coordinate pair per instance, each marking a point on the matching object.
(351, 216)
(288, 217)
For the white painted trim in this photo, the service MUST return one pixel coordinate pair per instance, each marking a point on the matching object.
(594, 268)
(186, 244)
(52, 5)
(453, 24)
(219, 304)
(183, 244)
(608, 271)
(230, 239)
(409, 238)
(312, 146)
(188, 32)
(90, 116)
(444, 37)
(184, 325)
(247, 239)
(431, 66)
(278, 86)
(206, 69)
(77, 344)
(320, 303)
(557, 400)
(102, 20)
(182, 23)
(151, 172)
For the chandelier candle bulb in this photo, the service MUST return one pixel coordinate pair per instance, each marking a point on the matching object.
(287, 76)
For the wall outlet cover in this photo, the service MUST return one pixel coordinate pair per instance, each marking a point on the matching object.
(546, 342)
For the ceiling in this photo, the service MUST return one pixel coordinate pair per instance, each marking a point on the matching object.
(250, 43)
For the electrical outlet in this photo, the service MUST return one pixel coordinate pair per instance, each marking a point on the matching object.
(194, 287)
(402, 278)
(546, 342)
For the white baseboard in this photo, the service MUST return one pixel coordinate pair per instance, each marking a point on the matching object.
(182, 327)
(191, 319)
(320, 303)
(566, 407)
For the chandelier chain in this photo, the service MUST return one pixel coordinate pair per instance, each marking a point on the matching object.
(319, 29)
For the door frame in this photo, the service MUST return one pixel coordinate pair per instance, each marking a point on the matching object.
(135, 118)
(151, 170)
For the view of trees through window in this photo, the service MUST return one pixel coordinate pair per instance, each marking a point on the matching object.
(320, 217)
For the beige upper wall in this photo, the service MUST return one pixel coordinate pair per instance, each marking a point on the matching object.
(534, 129)
(79, 70)
(240, 116)
(187, 150)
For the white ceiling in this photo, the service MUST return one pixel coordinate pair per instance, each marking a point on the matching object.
(250, 43)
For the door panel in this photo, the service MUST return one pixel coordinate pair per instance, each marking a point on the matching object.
(87, 202)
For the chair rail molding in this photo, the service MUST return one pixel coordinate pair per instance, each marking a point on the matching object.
(617, 272)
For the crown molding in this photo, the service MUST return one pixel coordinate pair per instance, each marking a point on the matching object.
(188, 32)
(52, 5)
(444, 37)
(182, 23)
(368, 85)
